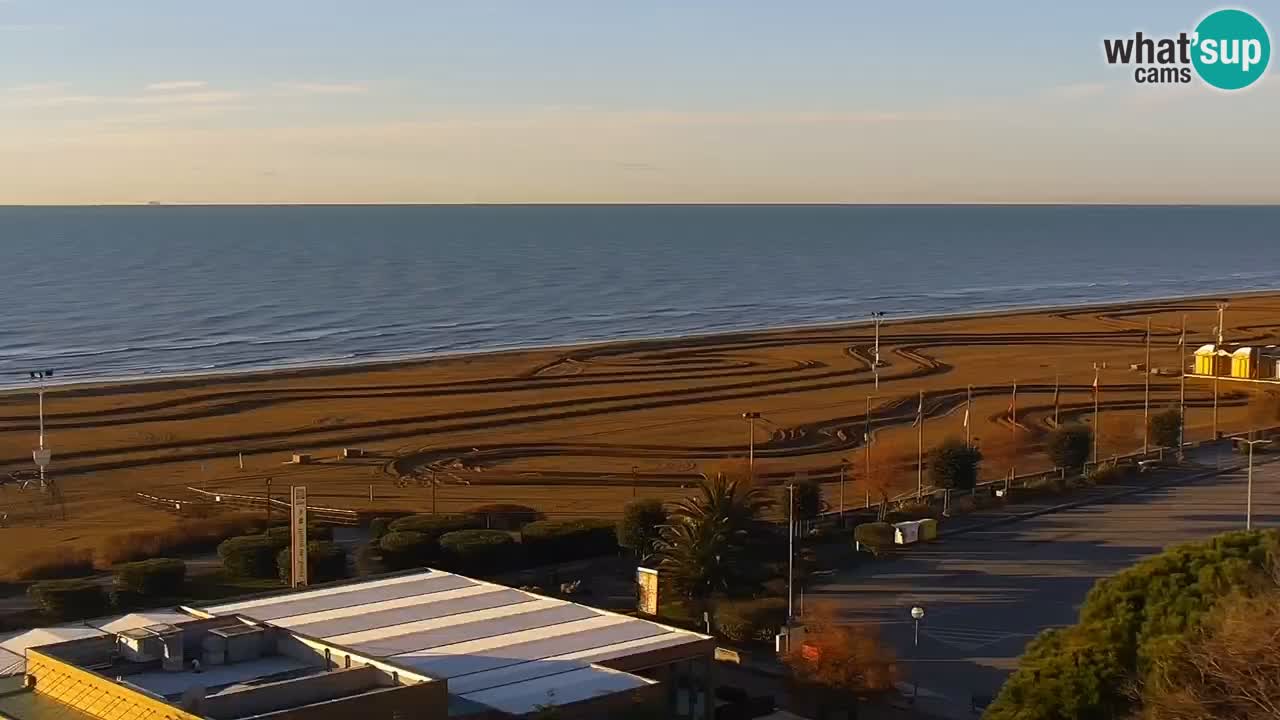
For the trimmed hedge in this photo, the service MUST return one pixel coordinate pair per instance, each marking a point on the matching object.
(878, 536)
(158, 577)
(70, 599)
(326, 562)
(406, 549)
(479, 551)
(251, 556)
(751, 620)
(433, 526)
(551, 541)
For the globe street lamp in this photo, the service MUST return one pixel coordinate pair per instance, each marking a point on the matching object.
(917, 614)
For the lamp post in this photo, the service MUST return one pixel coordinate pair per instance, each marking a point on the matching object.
(878, 317)
(791, 534)
(751, 418)
(1248, 503)
(917, 614)
(41, 455)
(844, 466)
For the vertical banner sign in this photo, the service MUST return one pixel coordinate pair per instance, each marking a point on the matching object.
(298, 536)
(647, 580)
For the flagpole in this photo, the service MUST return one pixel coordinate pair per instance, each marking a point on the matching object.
(920, 448)
(1146, 396)
(1097, 435)
(1182, 385)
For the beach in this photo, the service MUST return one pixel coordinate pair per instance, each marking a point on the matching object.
(578, 431)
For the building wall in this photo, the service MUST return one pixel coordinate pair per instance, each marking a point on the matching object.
(422, 701)
(96, 695)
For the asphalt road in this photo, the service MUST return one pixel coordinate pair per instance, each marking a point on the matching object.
(986, 593)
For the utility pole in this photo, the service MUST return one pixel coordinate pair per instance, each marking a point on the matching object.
(791, 534)
(1057, 395)
(844, 463)
(1216, 350)
(875, 362)
(968, 405)
(866, 440)
(1182, 386)
(1146, 395)
(920, 448)
(751, 418)
(1013, 433)
(1097, 434)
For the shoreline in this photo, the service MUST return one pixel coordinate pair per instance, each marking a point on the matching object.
(328, 368)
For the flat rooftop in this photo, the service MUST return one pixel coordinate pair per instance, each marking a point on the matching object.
(503, 648)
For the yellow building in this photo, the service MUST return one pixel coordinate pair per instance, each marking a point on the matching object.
(1244, 363)
(1212, 361)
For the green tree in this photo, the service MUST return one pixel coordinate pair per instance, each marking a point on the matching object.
(1069, 446)
(706, 547)
(641, 522)
(1132, 626)
(808, 500)
(1166, 428)
(954, 464)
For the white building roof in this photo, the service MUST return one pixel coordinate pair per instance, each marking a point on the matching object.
(497, 646)
(13, 648)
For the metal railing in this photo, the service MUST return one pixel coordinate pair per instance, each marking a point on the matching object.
(335, 516)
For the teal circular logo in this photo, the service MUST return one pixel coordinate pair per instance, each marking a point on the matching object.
(1232, 49)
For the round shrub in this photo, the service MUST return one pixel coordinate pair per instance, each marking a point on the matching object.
(326, 562)
(875, 536)
(406, 549)
(158, 577)
(70, 599)
(252, 556)
(552, 541)
(479, 551)
(751, 620)
(378, 527)
(433, 526)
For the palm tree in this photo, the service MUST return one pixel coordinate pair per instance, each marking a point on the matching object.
(704, 549)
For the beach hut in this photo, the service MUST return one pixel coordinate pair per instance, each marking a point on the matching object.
(1244, 363)
(1206, 356)
(1269, 362)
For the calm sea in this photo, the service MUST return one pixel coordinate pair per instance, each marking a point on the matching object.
(143, 291)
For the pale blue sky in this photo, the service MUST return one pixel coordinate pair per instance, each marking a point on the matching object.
(557, 100)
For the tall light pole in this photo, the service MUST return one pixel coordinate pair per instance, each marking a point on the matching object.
(917, 614)
(791, 535)
(1182, 387)
(1216, 350)
(751, 418)
(866, 440)
(1146, 395)
(1248, 503)
(920, 448)
(1097, 430)
(41, 455)
(878, 317)
(844, 466)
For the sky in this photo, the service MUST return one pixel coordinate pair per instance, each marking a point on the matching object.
(703, 101)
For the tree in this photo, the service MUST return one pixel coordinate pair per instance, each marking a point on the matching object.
(1131, 627)
(808, 499)
(847, 659)
(1230, 670)
(1166, 428)
(954, 465)
(639, 527)
(705, 548)
(1069, 446)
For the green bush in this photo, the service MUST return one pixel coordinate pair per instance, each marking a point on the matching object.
(479, 551)
(954, 464)
(504, 516)
(875, 536)
(326, 562)
(155, 578)
(433, 526)
(407, 549)
(1112, 473)
(750, 620)
(63, 600)
(912, 510)
(1166, 428)
(1069, 446)
(378, 527)
(1129, 626)
(250, 556)
(552, 541)
(638, 529)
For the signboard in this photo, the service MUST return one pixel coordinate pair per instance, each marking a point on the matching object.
(647, 581)
(298, 534)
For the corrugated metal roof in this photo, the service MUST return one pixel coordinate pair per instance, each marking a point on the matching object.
(501, 647)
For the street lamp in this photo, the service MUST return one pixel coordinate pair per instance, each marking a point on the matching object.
(1248, 507)
(917, 614)
(751, 418)
(41, 455)
(878, 317)
(844, 467)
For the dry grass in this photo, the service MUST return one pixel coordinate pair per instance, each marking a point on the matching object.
(187, 536)
(50, 563)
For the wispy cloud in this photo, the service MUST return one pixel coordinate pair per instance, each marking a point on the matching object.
(316, 88)
(171, 85)
(35, 88)
(49, 100)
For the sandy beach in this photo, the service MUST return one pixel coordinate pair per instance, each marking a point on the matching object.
(581, 430)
